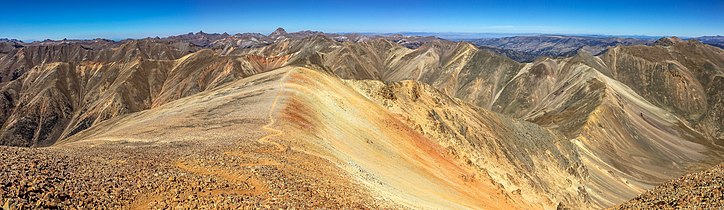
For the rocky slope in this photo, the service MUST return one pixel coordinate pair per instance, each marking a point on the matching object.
(202, 151)
(699, 190)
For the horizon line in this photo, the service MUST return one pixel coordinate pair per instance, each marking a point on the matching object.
(405, 33)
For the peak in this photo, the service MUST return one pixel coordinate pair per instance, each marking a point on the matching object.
(280, 31)
(668, 41)
(10, 40)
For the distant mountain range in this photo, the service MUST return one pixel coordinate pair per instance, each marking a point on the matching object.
(528, 48)
(712, 40)
(522, 47)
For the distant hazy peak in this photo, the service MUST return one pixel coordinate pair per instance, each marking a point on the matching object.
(279, 32)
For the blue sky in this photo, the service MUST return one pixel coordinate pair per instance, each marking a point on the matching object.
(36, 20)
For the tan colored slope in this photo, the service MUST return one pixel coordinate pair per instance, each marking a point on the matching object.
(631, 145)
(316, 120)
(213, 149)
(325, 117)
(234, 124)
(56, 100)
(683, 77)
(184, 118)
(627, 143)
(530, 163)
(528, 88)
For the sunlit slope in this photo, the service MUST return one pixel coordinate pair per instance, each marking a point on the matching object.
(631, 145)
(530, 163)
(234, 127)
(325, 117)
(313, 116)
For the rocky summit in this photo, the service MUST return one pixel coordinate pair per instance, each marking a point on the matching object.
(319, 120)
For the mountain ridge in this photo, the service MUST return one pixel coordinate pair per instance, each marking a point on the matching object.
(375, 111)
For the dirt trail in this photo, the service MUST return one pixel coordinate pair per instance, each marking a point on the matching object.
(253, 186)
(268, 127)
(272, 132)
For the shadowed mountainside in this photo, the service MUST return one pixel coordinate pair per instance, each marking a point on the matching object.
(528, 48)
